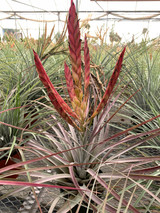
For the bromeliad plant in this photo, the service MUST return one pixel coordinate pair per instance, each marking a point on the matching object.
(82, 147)
(89, 166)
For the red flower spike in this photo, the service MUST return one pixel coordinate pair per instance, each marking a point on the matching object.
(75, 46)
(87, 70)
(59, 104)
(111, 84)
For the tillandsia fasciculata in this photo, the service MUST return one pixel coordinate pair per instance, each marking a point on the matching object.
(79, 154)
(94, 168)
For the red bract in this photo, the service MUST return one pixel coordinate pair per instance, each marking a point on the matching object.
(87, 70)
(59, 104)
(75, 48)
(69, 82)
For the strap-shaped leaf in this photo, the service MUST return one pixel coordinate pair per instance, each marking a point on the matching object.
(111, 84)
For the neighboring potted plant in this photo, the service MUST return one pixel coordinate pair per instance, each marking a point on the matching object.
(12, 123)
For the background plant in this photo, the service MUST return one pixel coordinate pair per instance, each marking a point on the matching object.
(91, 136)
(145, 76)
